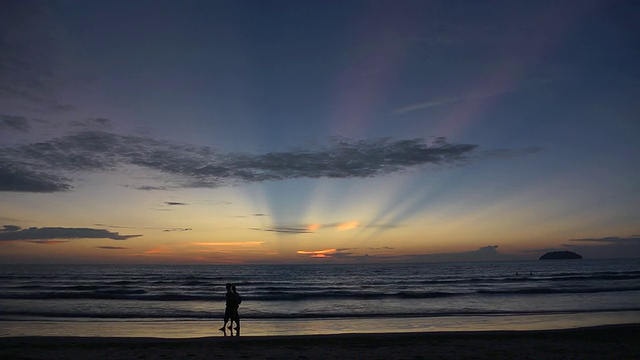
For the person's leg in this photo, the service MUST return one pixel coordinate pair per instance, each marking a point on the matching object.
(237, 319)
(226, 319)
(231, 317)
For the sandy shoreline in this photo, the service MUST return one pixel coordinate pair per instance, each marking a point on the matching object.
(602, 342)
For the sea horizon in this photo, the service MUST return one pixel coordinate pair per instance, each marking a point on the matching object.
(322, 262)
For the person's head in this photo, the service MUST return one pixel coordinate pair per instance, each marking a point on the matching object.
(233, 287)
(229, 286)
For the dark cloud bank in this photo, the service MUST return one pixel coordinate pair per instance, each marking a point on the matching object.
(50, 166)
(15, 233)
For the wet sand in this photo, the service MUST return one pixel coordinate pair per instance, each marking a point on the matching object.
(602, 342)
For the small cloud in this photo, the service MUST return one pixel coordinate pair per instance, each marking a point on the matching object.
(177, 229)
(150, 188)
(349, 225)
(612, 240)
(317, 253)
(285, 230)
(237, 243)
(10, 228)
(17, 178)
(438, 101)
(543, 250)
(326, 253)
(60, 108)
(175, 203)
(16, 123)
(47, 242)
(218, 202)
(96, 123)
(259, 215)
(509, 153)
(116, 226)
(112, 247)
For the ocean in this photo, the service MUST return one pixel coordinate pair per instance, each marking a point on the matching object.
(188, 300)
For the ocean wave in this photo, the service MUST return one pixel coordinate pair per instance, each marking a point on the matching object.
(558, 291)
(218, 314)
(87, 292)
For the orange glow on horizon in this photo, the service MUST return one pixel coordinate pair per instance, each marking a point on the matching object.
(317, 252)
(241, 243)
(313, 227)
(159, 251)
(48, 242)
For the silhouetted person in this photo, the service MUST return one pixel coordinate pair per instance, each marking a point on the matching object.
(237, 300)
(228, 306)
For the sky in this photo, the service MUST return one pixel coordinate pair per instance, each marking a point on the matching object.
(238, 132)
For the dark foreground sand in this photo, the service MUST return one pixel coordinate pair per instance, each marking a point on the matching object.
(604, 342)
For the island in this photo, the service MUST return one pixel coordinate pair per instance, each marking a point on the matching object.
(560, 255)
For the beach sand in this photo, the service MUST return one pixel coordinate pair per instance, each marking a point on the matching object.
(602, 342)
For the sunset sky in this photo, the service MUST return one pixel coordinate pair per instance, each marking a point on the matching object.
(215, 132)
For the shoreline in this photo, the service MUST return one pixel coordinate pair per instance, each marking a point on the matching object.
(599, 342)
(329, 326)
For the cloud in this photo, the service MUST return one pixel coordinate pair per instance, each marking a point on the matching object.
(317, 253)
(47, 242)
(17, 178)
(633, 239)
(176, 229)
(116, 226)
(10, 228)
(44, 163)
(326, 253)
(237, 243)
(349, 225)
(285, 230)
(438, 101)
(96, 123)
(17, 123)
(509, 153)
(50, 233)
(150, 188)
(175, 203)
(543, 250)
(58, 108)
(146, 228)
(112, 247)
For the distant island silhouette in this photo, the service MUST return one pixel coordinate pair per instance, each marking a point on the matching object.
(560, 255)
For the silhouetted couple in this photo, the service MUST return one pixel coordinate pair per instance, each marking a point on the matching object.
(231, 309)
